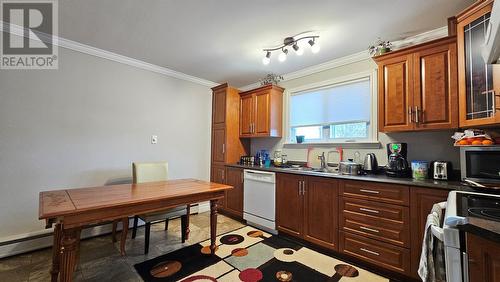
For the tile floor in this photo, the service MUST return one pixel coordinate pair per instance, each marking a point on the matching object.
(100, 259)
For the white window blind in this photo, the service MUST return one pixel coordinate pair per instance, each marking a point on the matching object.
(349, 102)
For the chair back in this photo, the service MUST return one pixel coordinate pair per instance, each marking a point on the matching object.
(149, 172)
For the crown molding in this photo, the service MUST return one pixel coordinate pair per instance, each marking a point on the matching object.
(357, 57)
(90, 50)
(421, 38)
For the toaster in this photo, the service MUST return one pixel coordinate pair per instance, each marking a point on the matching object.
(441, 170)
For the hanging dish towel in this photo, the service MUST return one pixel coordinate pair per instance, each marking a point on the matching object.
(432, 265)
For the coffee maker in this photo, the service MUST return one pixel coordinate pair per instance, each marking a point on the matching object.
(397, 164)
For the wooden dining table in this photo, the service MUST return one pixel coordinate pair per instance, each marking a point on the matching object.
(69, 210)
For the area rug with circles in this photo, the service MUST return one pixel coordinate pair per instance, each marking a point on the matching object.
(250, 255)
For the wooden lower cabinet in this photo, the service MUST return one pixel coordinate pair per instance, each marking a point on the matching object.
(422, 200)
(375, 252)
(484, 259)
(218, 175)
(306, 207)
(380, 221)
(234, 197)
(381, 224)
(289, 204)
(320, 211)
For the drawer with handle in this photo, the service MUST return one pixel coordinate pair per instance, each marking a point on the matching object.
(381, 254)
(375, 209)
(387, 193)
(385, 222)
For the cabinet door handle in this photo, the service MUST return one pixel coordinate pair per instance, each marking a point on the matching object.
(370, 252)
(222, 173)
(369, 191)
(410, 113)
(303, 187)
(369, 229)
(223, 148)
(300, 188)
(369, 210)
(417, 118)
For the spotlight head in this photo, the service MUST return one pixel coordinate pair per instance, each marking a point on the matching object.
(299, 51)
(282, 56)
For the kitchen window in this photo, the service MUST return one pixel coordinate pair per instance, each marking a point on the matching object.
(334, 112)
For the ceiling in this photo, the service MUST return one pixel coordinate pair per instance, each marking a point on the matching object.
(222, 40)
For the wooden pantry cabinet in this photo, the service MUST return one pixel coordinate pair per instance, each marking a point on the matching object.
(306, 207)
(261, 112)
(417, 87)
(227, 147)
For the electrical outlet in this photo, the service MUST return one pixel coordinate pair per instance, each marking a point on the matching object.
(154, 139)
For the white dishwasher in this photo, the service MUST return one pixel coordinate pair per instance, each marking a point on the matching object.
(259, 199)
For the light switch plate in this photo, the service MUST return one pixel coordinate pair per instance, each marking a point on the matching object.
(154, 139)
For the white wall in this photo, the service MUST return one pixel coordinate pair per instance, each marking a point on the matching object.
(421, 145)
(83, 125)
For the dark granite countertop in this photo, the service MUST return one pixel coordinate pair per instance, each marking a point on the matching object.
(429, 183)
(484, 228)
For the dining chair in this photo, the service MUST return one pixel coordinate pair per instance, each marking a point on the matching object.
(150, 172)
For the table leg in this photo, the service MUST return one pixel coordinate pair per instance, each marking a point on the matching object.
(187, 222)
(69, 247)
(124, 235)
(78, 235)
(56, 252)
(213, 225)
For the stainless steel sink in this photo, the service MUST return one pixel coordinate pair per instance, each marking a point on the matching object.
(315, 170)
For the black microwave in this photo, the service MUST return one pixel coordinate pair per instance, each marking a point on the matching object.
(480, 164)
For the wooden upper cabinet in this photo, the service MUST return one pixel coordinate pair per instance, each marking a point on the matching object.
(261, 112)
(219, 106)
(478, 83)
(395, 94)
(418, 87)
(435, 91)
(246, 115)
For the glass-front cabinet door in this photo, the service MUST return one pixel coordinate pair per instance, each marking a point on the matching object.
(478, 81)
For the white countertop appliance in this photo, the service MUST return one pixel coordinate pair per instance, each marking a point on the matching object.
(259, 199)
(459, 206)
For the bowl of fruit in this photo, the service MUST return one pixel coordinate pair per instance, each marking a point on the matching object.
(472, 137)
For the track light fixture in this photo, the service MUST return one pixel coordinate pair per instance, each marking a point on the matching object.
(293, 42)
